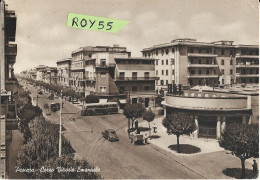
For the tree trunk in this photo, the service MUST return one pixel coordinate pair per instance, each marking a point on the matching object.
(178, 144)
(128, 123)
(243, 168)
(149, 130)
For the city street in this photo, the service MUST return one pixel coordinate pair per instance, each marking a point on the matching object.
(115, 159)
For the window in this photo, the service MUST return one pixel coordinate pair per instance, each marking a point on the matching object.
(134, 75)
(134, 88)
(167, 51)
(167, 72)
(199, 71)
(162, 82)
(162, 62)
(166, 61)
(162, 72)
(172, 50)
(172, 61)
(149, 55)
(222, 62)
(156, 72)
(231, 62)
(207, 51)
(166, 82)
(231, 71)
(207, 61)
(191, 50)
(146, 88)
(162, 52)
(222, 71)
(223, 81)
(173, 71)
(192, 71)
(207, 71)
(191, 83)
(157, 62)
(121, 75)
(199, 61)
(90, 55)
(146, 75)
(156, 52)
(199, 50)
(222, 52)
(231, 52)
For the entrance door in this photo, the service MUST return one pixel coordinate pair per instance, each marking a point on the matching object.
(134, 100)
(233, 119)
(207, 126)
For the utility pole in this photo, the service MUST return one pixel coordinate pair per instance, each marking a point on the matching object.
(60, 146)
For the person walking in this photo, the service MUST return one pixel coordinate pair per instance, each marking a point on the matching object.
(145, 139)
(154, 128)
(254, 166)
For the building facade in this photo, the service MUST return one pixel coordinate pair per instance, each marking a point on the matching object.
(8, 83)
(213, 110)
(191, 63)
(63, 72)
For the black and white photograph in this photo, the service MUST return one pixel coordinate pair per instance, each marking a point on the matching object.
(129, 89)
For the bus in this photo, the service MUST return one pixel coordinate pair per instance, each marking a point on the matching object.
(99, 108)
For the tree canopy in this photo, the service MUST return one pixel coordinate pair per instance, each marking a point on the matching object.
(92, 98)
(179, 123)
(149, 117)
(242, 140)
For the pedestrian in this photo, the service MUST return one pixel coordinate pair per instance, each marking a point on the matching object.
(254, 166)
(145, 139)
(154, 128)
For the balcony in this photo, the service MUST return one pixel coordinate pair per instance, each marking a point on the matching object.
(11, 120)
(202, 55)
(204, 76)
(135, 78)
(105, 65)
(11, 49)
(10, 27)
(11, 85)
(202, 66)
(246, 75)
(247, 65)
(247, 56)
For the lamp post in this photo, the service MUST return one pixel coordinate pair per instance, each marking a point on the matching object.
(60, 146)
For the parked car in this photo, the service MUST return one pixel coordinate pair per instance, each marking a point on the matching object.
(39, 92)
(110, 134)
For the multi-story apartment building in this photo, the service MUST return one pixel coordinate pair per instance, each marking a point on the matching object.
(191, 63)
(39, 74)
(51, 75)
(136, 77)
(8, 83)
(63, 72)
(92, 69)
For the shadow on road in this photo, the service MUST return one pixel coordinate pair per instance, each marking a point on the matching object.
(185, 148)
(155, 137)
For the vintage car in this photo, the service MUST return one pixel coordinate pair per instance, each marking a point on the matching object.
(110, 134)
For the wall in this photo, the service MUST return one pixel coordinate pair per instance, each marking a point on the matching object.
(207, 103)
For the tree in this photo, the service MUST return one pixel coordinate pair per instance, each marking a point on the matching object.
(92, 98)
(149, 117)
(242, 140)
(28, 113)
(179, 123)
(158, 100)
(133, 111)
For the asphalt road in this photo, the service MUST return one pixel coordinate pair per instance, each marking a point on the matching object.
(119, 159)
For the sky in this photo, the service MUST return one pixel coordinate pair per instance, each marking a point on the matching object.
(43, 37)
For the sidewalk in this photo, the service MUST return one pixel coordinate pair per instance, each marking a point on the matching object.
(164, 140)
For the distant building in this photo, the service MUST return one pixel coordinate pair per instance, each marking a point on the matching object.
(63, 72)
(8, 84)
(190, 63)
(214, 109)
(40, 74)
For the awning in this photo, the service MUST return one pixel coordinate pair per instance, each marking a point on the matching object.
(122, 101)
